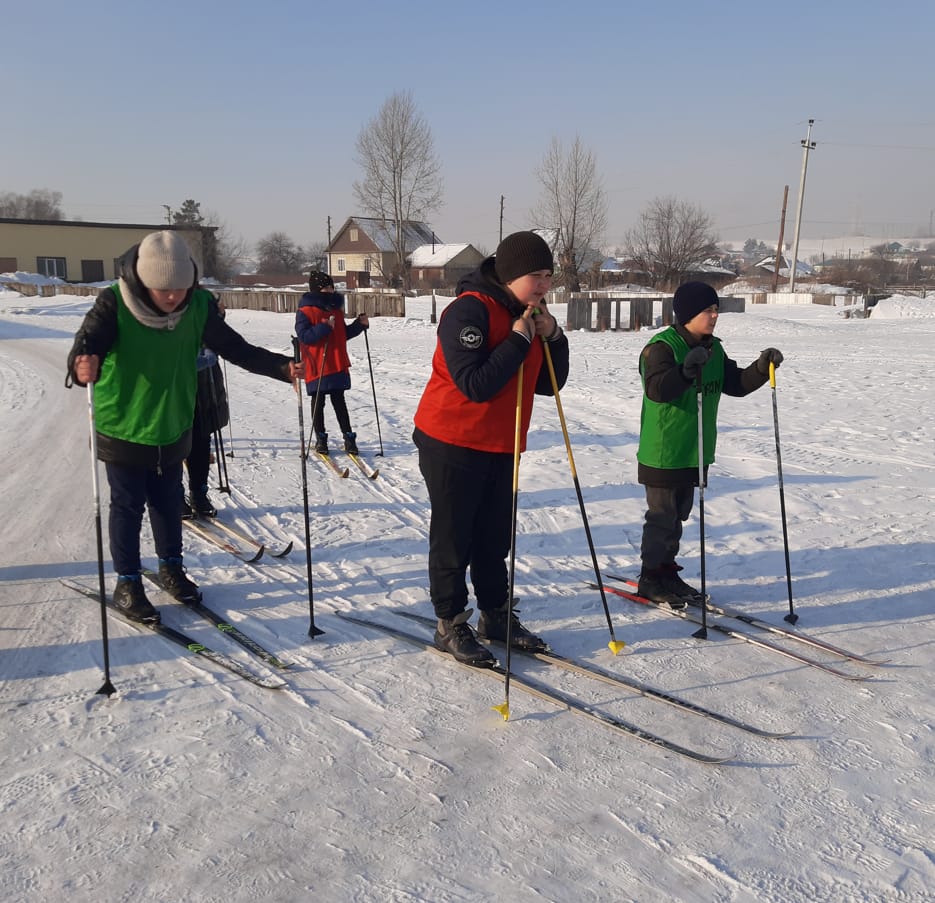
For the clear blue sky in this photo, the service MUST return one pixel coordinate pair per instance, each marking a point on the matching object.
(253, 109)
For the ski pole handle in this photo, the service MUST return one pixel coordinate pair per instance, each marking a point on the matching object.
(772, 374)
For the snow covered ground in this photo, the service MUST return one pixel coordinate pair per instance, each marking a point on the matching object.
(381, 772)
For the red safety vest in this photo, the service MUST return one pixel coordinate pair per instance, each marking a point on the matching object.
(447, 414)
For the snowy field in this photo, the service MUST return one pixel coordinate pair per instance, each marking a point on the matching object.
(380, 772)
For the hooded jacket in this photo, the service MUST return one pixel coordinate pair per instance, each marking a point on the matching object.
(470, 398)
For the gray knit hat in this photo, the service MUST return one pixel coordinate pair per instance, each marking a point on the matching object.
(164, 262)
(522, 253)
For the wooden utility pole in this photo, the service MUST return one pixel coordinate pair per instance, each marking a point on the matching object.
(782, 229)
(501, 216)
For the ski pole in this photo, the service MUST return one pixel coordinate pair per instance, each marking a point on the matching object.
(702, 632)
(614, 644)
(373, 388)
(318, 398)
(230, 430)
(313, 631)
(792, 617)
(107, 688)
(504, 707)
(223, 482)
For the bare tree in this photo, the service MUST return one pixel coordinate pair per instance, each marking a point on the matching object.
(401, 175)
(317, 256)
(573, 206)
(225, 253)
(38, 204)
(671, 239)
(278, 253)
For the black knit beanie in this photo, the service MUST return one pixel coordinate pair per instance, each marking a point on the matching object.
(691, 299)
(317, 280)
(522, 253)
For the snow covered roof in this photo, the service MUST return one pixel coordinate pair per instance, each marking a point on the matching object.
(436, 255)
(769, 264)
(381, 232)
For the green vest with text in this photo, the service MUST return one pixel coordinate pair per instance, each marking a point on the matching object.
(669, 431)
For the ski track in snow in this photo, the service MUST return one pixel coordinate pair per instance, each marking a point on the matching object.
(381, 773)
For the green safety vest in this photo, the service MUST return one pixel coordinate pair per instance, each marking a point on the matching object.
(669, 431)
(148, 381)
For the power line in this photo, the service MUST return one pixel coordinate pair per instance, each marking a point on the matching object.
(917, 147)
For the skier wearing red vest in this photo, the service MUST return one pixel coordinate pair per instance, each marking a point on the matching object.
(465, 429)
(323, 332)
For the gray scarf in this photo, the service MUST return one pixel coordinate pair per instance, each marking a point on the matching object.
(143, 314)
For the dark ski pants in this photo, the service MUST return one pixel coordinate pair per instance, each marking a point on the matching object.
(132, 489)
(198, 462)
(667, 507)
(471, 497)
(340, 411)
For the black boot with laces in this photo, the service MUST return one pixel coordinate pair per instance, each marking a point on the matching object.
(678, 585)
(492, 624)
(456, 637)
(130, 599)
(656, 586)
(200, 504)
(174, 580)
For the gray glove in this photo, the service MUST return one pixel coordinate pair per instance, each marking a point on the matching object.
(694, 361)
(768, 356)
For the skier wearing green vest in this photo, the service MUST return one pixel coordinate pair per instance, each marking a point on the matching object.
(139, 345)
(668, 451)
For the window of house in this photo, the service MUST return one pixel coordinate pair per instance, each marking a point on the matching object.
(340, 264)
(353, 235)
(51, 266)
(367, 265)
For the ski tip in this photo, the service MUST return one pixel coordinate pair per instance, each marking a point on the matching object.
(503, 709)
(374, 475)
(284, 552)
(616, 646)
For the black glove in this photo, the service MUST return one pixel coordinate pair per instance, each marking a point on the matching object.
(694, 361)
(768, 356)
